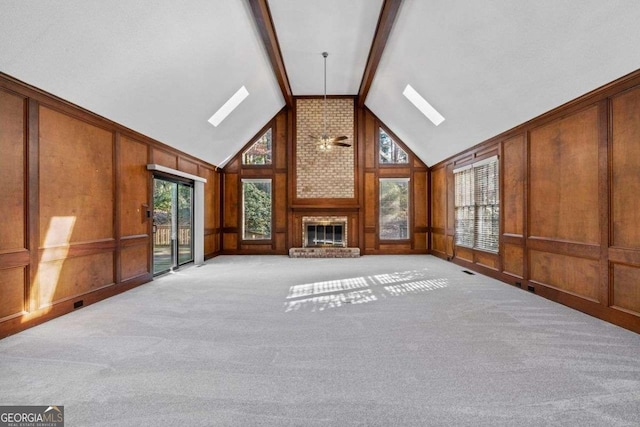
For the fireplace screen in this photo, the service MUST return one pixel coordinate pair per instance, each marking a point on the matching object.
(318, 235)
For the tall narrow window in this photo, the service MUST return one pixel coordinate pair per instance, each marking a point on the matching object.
(464, 208)
(477, 205)
(390, 152)
(256, 209)
(260, 151)
(394, 208)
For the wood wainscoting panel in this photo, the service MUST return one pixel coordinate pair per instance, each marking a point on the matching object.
(67, 278)
(134, 187)
(370, 200)
(187, 166)
(12, 171)
(564, 179)
(420, 241)
(135, 260)
(487, 259)
(626, 288)
(420, 199)
(465, 254)
(230, 241)
(625, 177)
(513, 259)
(513, 176)
(231, 202)
(439, 198)
(280, 201)
(438, 243)
(280, 141)
(165, 158)
(211, 210)
(12, 291)
(76, 180)
(577, 276)
(370, 241)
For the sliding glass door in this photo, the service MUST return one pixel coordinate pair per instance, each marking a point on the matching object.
(172, 224)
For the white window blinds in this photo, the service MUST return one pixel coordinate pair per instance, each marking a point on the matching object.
(477, 205)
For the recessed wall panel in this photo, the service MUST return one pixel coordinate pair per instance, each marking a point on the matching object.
(12, 171)
(420, 199)
(70, 277)
(578, 276)
(513, 259)
(564, 179)
(513, 170)
(626, 287)
(134, 187)
(134, 261)
(439, 198)
(625, 177)
(12, 288)
(76, 180)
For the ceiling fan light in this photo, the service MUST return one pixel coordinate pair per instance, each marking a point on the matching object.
(421, 104)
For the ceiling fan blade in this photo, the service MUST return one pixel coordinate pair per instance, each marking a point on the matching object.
(338, 138)
(341, 144)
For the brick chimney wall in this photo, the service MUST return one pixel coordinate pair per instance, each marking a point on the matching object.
(324, 173)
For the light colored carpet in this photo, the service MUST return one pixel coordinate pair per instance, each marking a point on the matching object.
(378, 340)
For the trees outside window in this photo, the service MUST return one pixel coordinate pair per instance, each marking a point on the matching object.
(390, 152)
(256, 209)
(394, 208)
(260, 152)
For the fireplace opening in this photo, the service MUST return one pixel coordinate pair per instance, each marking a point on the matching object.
(324, 235)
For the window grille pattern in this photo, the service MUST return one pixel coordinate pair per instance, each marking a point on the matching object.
(394, 208)
(260, 151)
(390, 152)
(477, 206)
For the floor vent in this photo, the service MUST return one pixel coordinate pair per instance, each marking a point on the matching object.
(519, 284)
(78, 304)
(531, 289)
(469, 272)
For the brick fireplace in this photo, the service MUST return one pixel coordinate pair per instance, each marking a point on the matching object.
(325, 211)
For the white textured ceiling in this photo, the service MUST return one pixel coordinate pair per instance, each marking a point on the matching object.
(342, 28)
(159, 67)
(489, 66)
(162, 67)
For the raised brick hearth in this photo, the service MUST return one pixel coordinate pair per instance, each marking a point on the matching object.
(324, 252)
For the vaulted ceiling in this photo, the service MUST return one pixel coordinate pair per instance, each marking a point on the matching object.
(162, 67)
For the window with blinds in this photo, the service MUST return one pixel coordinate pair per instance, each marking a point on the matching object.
(477, 205)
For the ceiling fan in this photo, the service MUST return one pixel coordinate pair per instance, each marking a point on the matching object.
(325, 140)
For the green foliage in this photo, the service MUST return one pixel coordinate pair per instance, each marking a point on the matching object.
(390, 152)
(394, 206)
(257, 210)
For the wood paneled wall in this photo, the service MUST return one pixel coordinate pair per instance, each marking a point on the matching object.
(76, 195)
(570, 181)
(361, 211)
(235, 171)
(372, 171)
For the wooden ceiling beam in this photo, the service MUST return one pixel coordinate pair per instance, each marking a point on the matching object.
(387, 17)
(264, 23)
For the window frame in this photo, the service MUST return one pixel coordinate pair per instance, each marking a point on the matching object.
(406, 180)
(243, 209)
(262, 133)
(479, 202)
(395, 141)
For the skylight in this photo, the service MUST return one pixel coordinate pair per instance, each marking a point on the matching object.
(229, 106)
(422, 105)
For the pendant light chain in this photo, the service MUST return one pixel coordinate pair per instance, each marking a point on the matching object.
(324, 107)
